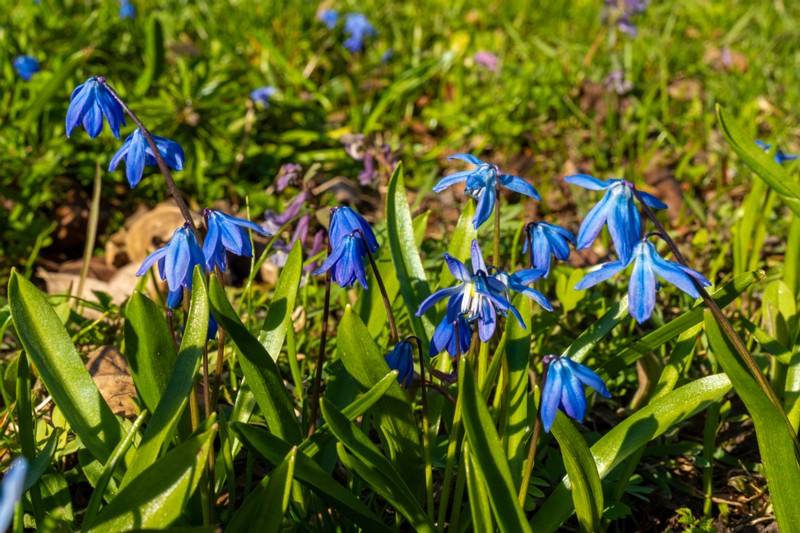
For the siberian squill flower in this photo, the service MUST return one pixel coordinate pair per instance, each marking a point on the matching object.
(479, 296)
(346, 260)
(262, 95)
(227, 233)
(453, 333)
(329, 17)
(563, 389)
(519, 281)
(618, 209)
(481, 184)
(547, 239)
(137, 154)
(780, 155)
(357, 28)
(26, 67)
(126, 10)
(176, 262)
(11, 490)
(89, 103)
(647, 264)
(401, 358)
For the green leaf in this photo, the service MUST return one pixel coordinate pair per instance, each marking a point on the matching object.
(39, 465)
(631, 434)
(55, 85)
(489, 457)
(157, 496)
(580, 347)
(478, 496)
(165, 418)
(759, 161)
(776, 439)
(61, 369)
(279, 314)
(260, 370)
(518, 355)
(413, 283)
(149, 348)
(370, 464)
(154, 57)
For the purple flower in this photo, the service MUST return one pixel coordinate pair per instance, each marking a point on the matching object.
(445, 338)
(346, 260)
(547, 239)
(227, 233)
(357, 28)
(89, 103)
(273, 222)
(563, 389)
(401, 358)
(288, 175)
(486, 60)
(26, 67)
(617, 83)
(137, 154)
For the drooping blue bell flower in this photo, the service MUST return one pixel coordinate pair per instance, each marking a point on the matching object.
(563, 389)
(329, 17)
(262, 95)
(176, 262)
(11, 490)
(547, 239)
(519, 281)
(647, 264)
(126, 10)
(780, 155)
(137, 153)
(618, 209)
(89, 103)
(346, 260)
(26, 67)
(401, 358)
(357, 28)
(453, 333)
(227, 233)
(481, 184)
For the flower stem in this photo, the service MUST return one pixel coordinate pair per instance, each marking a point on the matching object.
(426, 444)
(386, 303)
(312, 416)
(537, 429)
(452, 447)
(162, 165)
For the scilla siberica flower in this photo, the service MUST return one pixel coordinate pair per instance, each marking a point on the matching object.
(346, 260)
(401, 358)
(647, 263)
(618, 209)
(126, 10)
(519, 281)
(176, 262)
(137, 154)
(11, 490)
(478, 297)
(26, 67)
(780, 155)
(481, 184)
(563, 389)
(547, 239)
(227, 233)
(329, 17)
(453, 333)
(89, 103)
(357, 28)
(262, 95)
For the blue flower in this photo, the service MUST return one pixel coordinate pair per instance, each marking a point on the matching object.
(358, 28)
(479, 296)
(26, 67)
(482, 185)
(547, 239)
(227, 233)
(262, 95)
(176, 262)
(647, 263)
(401, 358)
(563, 389)
(618, 209)
(89, 103)
(126, 10)
(329, 17)
(347, 247)
(11, 490)
(519, 281)
(780, 155)
(444, 337)
(345, 222)
(137, 154)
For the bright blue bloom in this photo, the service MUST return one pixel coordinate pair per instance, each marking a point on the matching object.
(357, 28)
(482, 185)
(563, 389)
(126, 10)
(780, 156)
(176, 262)
(227, 233)
(444, 337)
(479, 296)
(329, 17)
(618, 209)
(401, 358)
(89, 103)
(347, 247)
(262, 94)
(26, 67)
(647, 263)
(547, 239)
(519, 281)
(11, 490)
(137, 154)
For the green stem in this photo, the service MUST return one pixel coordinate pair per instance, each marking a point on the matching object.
(452, 448)
(426, 438)
(314, 407)
(386, 303)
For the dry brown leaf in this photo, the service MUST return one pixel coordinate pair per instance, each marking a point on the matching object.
(110, 373)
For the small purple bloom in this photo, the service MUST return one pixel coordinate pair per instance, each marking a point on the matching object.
(617, 83)
(486, 60)
(227, 233)
(401, 358)
(563, 389)
(262, 95)
(273, 222)
(357, 28)
(445, 338)
(780, 155)
(89, 103)
(547, 239)
(137, 154)
(26, 67)
(329, 17)
(346, 260)
(288, 175)
(316, 247)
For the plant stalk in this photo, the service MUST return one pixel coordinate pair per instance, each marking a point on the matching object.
(314, 407)
(386, 303)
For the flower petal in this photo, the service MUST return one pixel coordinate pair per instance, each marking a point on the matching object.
(593, 222)
(587, 182)
(484, 209)
(642, 290)
(441, 294)
(478, 264)
(517, 184)
(468, 158)
(551, 396)
(452, 179)
(457, 268)
(606, 271)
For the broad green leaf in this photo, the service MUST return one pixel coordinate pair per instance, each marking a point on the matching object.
(631, 434)
(410, 274)
(478, 496)
(518, 355)
(375, 469)
(776, 439)
(279, 313)
(165, 418)
(759, 161)
(38, 466)
(580, 347)
(157, 496)
(460, 242)
(149, 348)
(394, 418)
(61, 369)
(154, 57)
(489, 458)
(262, 374)
(272, 449)
(780, 310)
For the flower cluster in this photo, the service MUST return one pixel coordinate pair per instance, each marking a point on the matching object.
(356, 27)
(26, 67)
